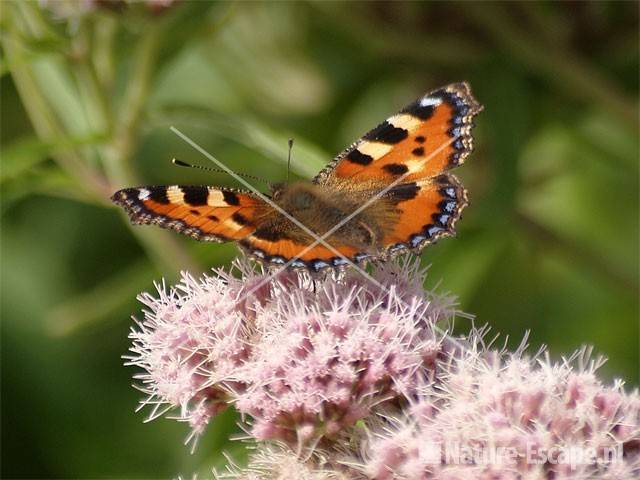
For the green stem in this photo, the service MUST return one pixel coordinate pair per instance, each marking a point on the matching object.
(164, 250)
(93, 98)
(162, 247)
(127, 123)
(44, 120)
(105, 29)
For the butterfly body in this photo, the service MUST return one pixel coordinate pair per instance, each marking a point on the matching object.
(325, 209)
(388, 193)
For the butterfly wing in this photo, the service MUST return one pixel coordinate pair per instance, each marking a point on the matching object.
(300, 254)
(426, 210)
(408, 156)
(205, 213)
(426, 138)
(220, 215)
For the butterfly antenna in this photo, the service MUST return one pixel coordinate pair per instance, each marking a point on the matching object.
(289, 159)
(180, 163)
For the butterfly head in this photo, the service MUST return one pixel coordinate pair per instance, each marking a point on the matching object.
(277, 190)
(297, 196)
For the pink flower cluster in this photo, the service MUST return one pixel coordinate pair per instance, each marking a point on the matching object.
(191, 337)
(303, 359)
(341, 378)
(72, 10)
(496, 415)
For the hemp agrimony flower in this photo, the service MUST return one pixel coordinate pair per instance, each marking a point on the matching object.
(303, 361)
(504, 415)
(338, 378)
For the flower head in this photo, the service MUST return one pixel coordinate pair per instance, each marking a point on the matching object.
(192, 336)
(304, 359)
(503, 415)
(356, 378)
(325, 359)
(275, 461)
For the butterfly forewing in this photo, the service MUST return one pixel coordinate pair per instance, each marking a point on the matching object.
(204, 213)
(426, 138)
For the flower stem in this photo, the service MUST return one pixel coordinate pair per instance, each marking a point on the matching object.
(45, 122)
(25, 23)
(163, 248)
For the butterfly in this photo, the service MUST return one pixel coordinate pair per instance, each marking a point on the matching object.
(388, 193)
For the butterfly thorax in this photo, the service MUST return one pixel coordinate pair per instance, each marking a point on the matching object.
(323, 209)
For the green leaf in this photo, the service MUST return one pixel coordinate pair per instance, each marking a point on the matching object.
(44, 181)
(25, 153)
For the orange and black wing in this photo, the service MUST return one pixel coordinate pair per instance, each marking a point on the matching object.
(427, 210)
(408, 157)
(426, 138)
(219, 215)
(207, 214)
(277, 248)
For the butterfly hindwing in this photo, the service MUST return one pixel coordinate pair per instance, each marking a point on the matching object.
(426, 210)
(301, 255)
(204, 213)
(426, 138)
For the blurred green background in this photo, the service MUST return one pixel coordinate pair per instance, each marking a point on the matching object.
(90, 89)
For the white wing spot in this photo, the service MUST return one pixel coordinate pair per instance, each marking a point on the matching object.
(430, 101)
(175, 194)
(143, 194)
(402, 120)
(414, 166)
(216, 198)
(375, 150)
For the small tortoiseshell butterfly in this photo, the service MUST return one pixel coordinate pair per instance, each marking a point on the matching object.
(407, 157)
